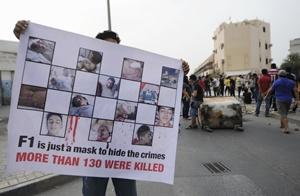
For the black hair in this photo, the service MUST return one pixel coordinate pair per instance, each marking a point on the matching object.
(264, 71)
(76, 100)
(96, 57)
(112, 79)
(193, 77)
(108, 34)
(53, 114)
(273, 66)
(142, 130)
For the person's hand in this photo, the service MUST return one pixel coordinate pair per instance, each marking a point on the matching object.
(185, 67)
(20, 27)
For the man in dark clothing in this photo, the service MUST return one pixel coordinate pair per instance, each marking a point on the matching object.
(232, 87)
(186, 97)
(222, 85)
(196, 100)
(207, 86)
(292, 77)
(273, 72)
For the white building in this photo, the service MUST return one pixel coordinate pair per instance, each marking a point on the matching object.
(8, 55)
(295, 46)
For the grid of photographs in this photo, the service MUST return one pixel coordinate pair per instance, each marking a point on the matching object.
(102, 99)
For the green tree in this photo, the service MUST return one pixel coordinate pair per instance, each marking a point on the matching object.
(292, 61)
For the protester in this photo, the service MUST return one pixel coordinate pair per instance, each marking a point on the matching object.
(284, 89)
(264, 83)
(96, 186)
(222, 85)
(207, 86)
(215, 84)
(227, 86)
(292, 77)
(239, 84)
(186, 98)
(197, 99)
(273, 72)
(247, 96)
(232, 86)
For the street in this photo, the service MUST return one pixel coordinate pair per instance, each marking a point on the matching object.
(259, 161)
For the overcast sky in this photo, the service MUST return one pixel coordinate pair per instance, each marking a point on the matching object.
(175, 28)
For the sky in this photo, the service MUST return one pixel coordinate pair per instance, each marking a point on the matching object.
(180, 29)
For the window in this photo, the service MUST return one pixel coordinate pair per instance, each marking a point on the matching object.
(267, 61)
(259, 44)
(264, 29)
(260, 59)
(266, 46)
(222, 46)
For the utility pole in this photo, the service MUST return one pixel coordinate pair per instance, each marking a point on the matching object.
(108, 15)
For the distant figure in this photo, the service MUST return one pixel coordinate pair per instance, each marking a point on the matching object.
(264, 83)
(247, 96)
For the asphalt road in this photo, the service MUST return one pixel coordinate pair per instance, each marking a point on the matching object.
(259, 161)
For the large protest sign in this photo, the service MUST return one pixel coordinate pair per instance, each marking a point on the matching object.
(82, 106)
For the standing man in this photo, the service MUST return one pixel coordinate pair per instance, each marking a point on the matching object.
(222, 85)
(273, 72)
(197, 99)
(96, 186)
(264, 83)
(240, 84)
(284, 89)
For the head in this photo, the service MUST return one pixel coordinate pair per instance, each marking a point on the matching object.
(109, 36)
(193, 78)
(95, 57)
(264, 71)
(144, 135)
(54, 123)
(282, 73)
(103, 131)
(39, 46)
(79, 100)
(110, 82)
(165, 115)
(273, 66)
(185, 79)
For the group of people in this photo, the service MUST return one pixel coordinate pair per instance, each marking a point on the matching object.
(96, 186)
(278, 88)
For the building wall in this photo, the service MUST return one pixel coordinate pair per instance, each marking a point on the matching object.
(242, 46)
(295, 46)
(8, 55)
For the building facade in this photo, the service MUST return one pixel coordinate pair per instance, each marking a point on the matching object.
(8, 55)
(242, 47)
(295, 46)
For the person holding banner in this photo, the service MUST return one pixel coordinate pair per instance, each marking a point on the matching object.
(96, 186)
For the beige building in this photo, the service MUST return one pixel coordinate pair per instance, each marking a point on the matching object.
(242, 47)
(295, 46)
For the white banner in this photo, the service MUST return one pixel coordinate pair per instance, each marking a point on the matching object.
(87, 107)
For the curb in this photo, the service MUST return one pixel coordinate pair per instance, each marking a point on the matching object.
(37, 185)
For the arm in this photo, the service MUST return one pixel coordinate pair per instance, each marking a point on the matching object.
(20, 27)
(185, 67)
